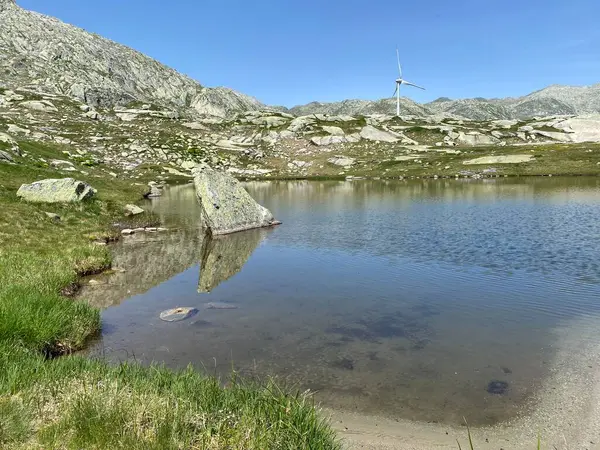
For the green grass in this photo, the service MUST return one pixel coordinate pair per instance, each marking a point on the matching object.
(72, 402)
(90, 404)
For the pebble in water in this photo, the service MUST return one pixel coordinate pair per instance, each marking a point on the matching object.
(497, 387)
(219, 305)
(177, 314)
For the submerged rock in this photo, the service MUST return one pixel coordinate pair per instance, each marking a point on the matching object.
(178, 314)
(63, 190)
(220, 305)
(497, 387)
(226, 206)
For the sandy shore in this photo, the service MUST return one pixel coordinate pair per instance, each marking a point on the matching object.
(567, 415)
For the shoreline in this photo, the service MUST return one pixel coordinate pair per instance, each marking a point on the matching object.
(565, 414)
(407, 178)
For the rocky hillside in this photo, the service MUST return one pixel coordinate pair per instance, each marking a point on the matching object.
(50, 56)
(552, 101)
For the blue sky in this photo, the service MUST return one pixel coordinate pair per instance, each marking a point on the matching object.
(291, 52)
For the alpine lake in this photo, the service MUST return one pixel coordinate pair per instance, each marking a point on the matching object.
(429, 300)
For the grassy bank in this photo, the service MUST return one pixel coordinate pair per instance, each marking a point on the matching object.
(73, 402)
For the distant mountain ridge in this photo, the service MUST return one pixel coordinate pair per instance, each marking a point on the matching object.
(48, 55)
(51, 55)
(551, 101)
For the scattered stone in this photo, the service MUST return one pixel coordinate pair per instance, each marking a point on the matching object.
(15, 129)
(323, 141)
(61, 164)
(133, 210)
(63, 190)
(178, 314)
(555, 135)
(503, 159)
(226, 205)
(195, 126)
(127, 231)
(341, 161)
(53, 216)
(334, 131)
(92, 115)
(40, 105)
(476, 138)
(5, 157)
(150, 229)
(220, 305)
(154, 191)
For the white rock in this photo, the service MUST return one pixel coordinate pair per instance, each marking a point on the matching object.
(341, 161)
(15, 129)
(327, 140)
(133, 210)
(39, 105)
(476, 138)
(502, 159)
(371, 133)
(334, 131)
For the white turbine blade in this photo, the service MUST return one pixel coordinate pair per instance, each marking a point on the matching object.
(412, 84)
(398, 57)
(394, 94)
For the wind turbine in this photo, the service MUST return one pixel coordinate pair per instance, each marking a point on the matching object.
(399, 82)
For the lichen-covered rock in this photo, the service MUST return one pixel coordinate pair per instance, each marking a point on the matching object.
(64, 190)
(226, 206)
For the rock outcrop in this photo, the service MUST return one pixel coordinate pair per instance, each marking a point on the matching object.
(55, 57)
(226, 205)
(64, 190)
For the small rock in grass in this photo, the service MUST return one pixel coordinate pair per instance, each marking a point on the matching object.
(161, 229)
(151, 229)
(53, 216)
(139, 230)
(127, 231)
(133, 210)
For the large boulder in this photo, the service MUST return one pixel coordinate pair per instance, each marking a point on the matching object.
(226, 206)
(62, 190)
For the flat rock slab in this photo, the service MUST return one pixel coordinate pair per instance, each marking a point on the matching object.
(504, 159)
(226, 206)
(177, 314)
(63, 190)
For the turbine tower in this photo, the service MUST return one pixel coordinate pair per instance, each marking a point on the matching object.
(400, 81)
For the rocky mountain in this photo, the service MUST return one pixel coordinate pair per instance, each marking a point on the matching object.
(551, 101)
(48, 55)
(362, 107)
